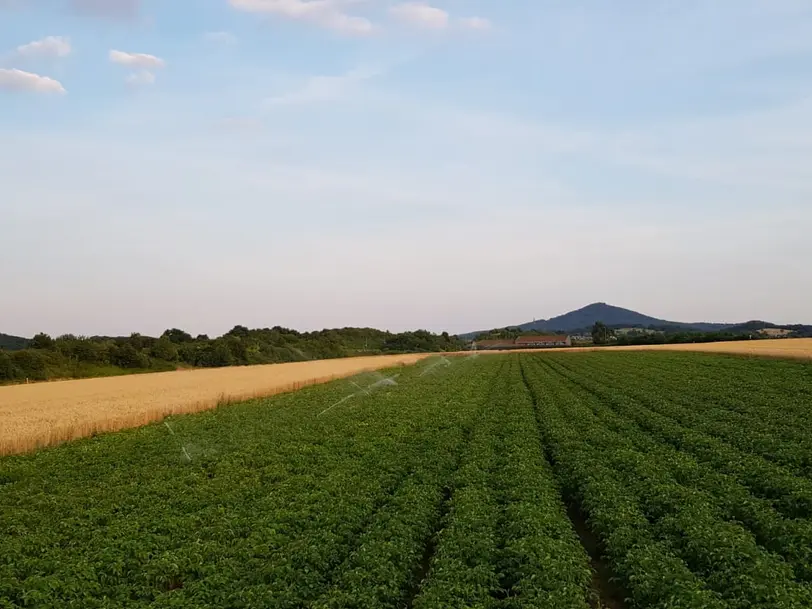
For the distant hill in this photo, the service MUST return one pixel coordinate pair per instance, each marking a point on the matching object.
(613, 316)
(12, 343)
(585, 318)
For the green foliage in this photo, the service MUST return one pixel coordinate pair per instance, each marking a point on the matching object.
(71, 356)
(177, 336)
(32, 363)
(164, 349)
(41, 341)
(8, 369)
(601, 334)
(275, 506)
(447, 489)
(686, 519)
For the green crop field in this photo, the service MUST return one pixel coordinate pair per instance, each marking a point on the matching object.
(561, 481)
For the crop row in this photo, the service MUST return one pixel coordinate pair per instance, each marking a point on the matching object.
(275, 506)
(658, 415)
(690, 507)
(715, 406)
(508, 541)
(788, 537)
(653, 576)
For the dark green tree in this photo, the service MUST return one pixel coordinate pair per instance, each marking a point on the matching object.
(164, 349)
(127, 356)
(42, 341)
(8, 371)
(177, 336)
(32, 364)
(601, 334)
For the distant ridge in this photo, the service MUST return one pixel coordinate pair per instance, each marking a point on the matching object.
(613, 316)
(12, 343)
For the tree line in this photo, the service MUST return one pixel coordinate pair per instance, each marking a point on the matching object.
(605, 335)
(70, 356)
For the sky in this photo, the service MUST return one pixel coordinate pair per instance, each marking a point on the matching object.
(451, 166)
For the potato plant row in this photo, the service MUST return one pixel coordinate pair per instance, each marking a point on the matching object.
(651, 573)
(781, 435)
(278, 506)
(702, 498)
(446, 486)
(658, 414)
(789, 537)
(508, 541)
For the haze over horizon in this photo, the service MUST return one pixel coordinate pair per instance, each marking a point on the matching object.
(456, 166)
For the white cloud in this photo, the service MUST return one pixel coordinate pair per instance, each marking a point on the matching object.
(140, 79)
(324, 13)
(17, 80)
(52, 46)
(421, 15)
(220, 37)
(475, 23)
(136, 60)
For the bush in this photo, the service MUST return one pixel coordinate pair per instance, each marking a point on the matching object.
(164, 349)
(126, 356)
(8, 370)
(32, 364)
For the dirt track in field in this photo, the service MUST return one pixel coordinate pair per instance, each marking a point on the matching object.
(44, 414)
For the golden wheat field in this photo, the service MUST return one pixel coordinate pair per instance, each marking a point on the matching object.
(800, 348)
(44, 414)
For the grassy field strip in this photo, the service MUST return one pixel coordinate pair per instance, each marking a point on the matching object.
(44, 414)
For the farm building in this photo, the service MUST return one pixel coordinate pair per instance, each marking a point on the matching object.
(523, 342)
(543, 341)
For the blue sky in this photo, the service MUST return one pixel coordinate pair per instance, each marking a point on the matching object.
(451, 166)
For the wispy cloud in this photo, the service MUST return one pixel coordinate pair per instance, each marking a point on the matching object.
(420, 14)
(475, 23)
(136, 60)
(19, 81)
(141, 78)
(324, 13)
(325, 88)
(51, 46)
